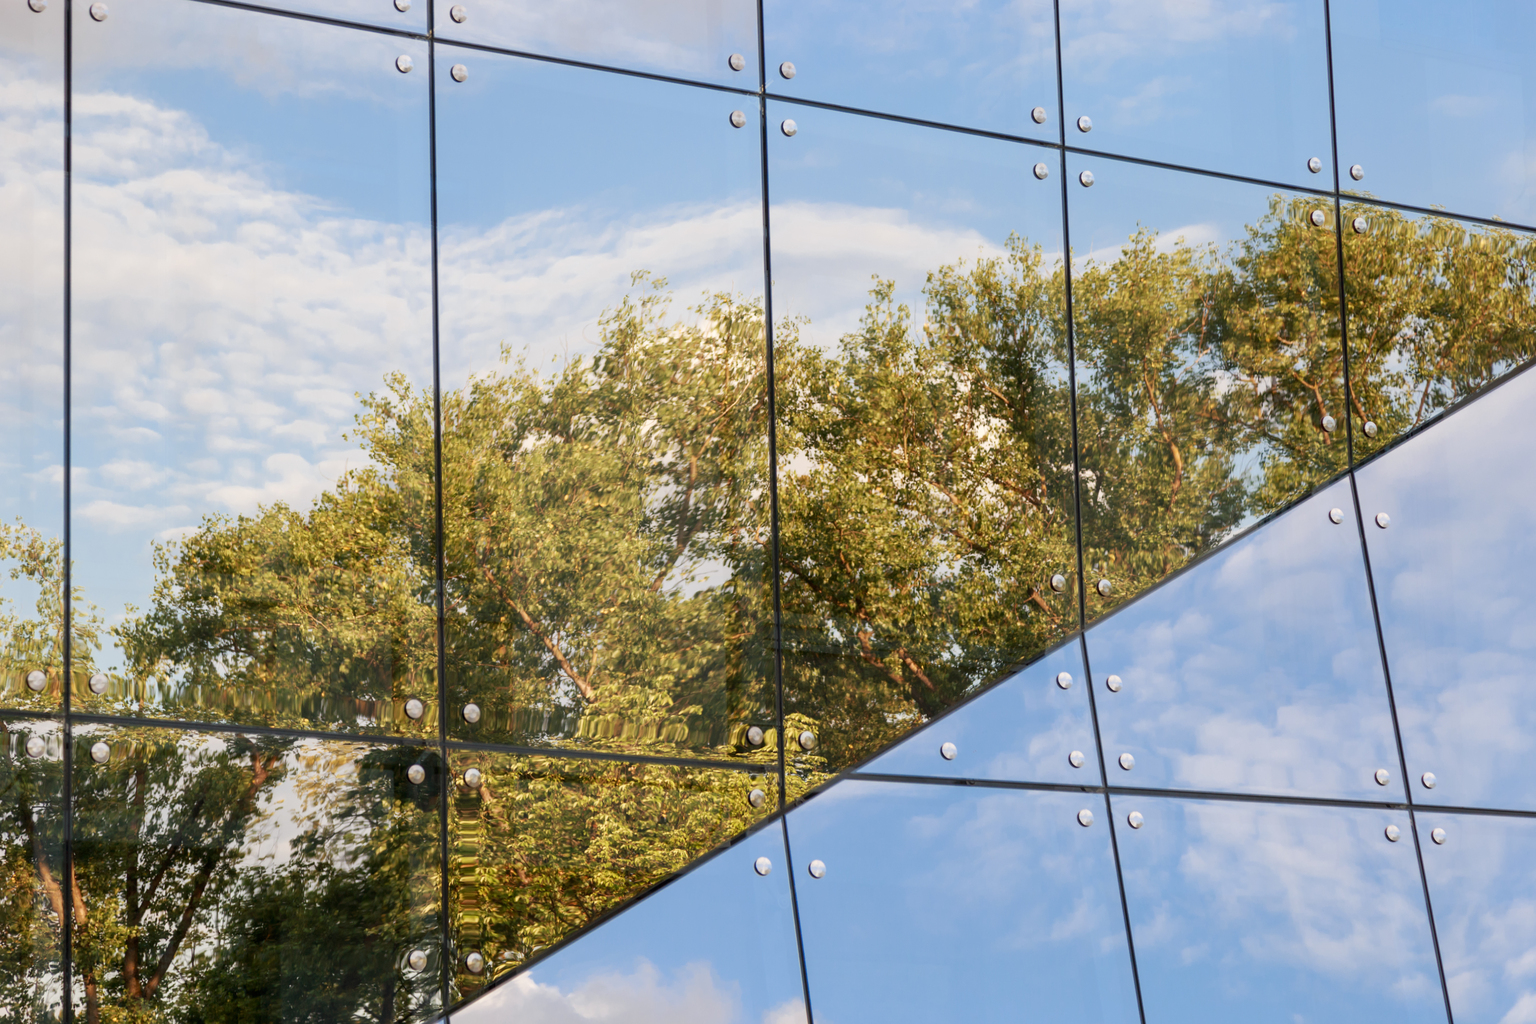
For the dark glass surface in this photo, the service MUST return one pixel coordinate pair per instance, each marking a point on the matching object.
(1482, 884)
(687, 40)
(1206, 333)
(31, 356)
(942, 902)
(542, 847)
(229, 877)
(252, 434)
(32, 865)
(1276, 913)
(1025, 729)
(1437, 309)
(982, 65)
(716, 946)
(1231, 85)
(924, 437)
(1451, 584)
(1258, 670)
(605, 445)
(1434, 103)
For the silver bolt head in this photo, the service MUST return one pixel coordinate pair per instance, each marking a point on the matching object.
(475, 963)
(1360, 224)
(1064, 680)
(817, 869)
(757, 798)
(1315, 165)
(736, 61)
(948, 751)
(1135, 820)
(1371, 429)
(36, 681)
(1113, 683)
(402, 5)
(1085, 124)
(1335, 516)
(1058, 583)
(38, 6)
(1330, 424)
(1127, 761)
(414, 709)
(1383, 520)
(1038, 114)
(1318, 218)
(98, 12)
(472, 778)
(1393, 833)
(416, 773)
(738, 119)
(789, 127)
(100, 752)
(1042, 172)
(1428, 778)
(755, 735)
(787, 69)
(1356, 171)
(1439, 836)
(1383, 776)
(1086, 178)
(458, 72)
(98, 683)
(1103, 587)
(458, 14)
(1076, 759)
(471, 713)
(417, 959)
(1085, 817)
(807, 740)
(36, 746)
(762, 866)
(403, 64)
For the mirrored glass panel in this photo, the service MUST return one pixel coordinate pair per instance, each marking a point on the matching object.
(1434, 104)
(32, 357)
(940, 902)
(714, 946)
(1209, 367)
(605, 411)
(32, 861)
(237, 877)
(1482, 884)
(1437, 308)
(1448, 524)
(702, 41)
(1275, 913)
(252, 408)
(1258, 670)
(1239, 86)
(989, 65)
(1035, 726)
(541, 847)
(926, 519)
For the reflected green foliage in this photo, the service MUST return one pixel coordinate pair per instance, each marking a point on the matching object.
(31, 873)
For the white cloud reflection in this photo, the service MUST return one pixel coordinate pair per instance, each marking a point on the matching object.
(693, 994)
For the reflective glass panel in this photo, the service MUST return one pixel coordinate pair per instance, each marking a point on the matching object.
(1435, 103)
(1028, 728)
(940, 902)
(924, 432)
(33, 890)
(252, 374)
(1437, 308)
(1239, 86)
(714, 946)
(687, 40)
(542, 847)
(605, 438)
(984, 65)
(1258, 670)
(1451, 571)
(1209, 368)
(1482, 885)
(31, 356)
(238, 877)
(1276, 913)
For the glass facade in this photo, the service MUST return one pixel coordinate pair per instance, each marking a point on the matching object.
(766, 512)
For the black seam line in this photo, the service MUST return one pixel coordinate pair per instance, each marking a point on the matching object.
(1429, 211)
(881, 115)
(935, 780)
(1491, 812)
(1203, 172)
(234, 728)
(319, 19)
(570, 62)
(603, 755)
(22, 715)
(67, 924)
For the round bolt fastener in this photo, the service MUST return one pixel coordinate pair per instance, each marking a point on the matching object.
(1134, 819)
(787, 69)
(474, 963)
(736, 61)
(1058, 583)
(1335, 516)
(36, 681)
(36, 746)
(1361, 225)
(98, 12)
(417, 959)
(1383, 520)
(458, 14)
(738, 119)
(100, 752)
(1383, 776)
(1438, 835)
(1315, 165)
(1085, 124)
(471, 713)
(1330, 424)
(416, 773)
(762, 866)
(414, 709)
(1042, 172)
(1086, 178)
(472, 778)
(1103, 587)
(1085, 817)
(98, 683)
(1393, 833)
(755, 735)
(1356, 171)
(948, 751)
(1318, 218)
(1371, 429)
(458, 72)
(1127, 761)
(1113, 683)
(1038, 114)
(1064, 680)
(789, 127)
(403, 64)
(38, 6)
(817, 869)
(1428, 778)
(807, 740)
(756, 798)
(402, 5)
(1076, 759)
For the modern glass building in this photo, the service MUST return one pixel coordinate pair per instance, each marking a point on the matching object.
(738, 512)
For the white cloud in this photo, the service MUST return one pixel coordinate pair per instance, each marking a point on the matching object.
(694, 995)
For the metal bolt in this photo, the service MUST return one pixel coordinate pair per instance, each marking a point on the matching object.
(1127, 761)
(417, 959)
(1393, 833)
(1064, 680)
(36, 746)
(98, 12)
(471, 713)
(1058, 583)
(1383, 776)
(1438, 835)
(458, 72)
(1371, 430)
(458, 14)
(100, 752)
(1428, 778)
(755, 735)
(816, 868)
(787, 69)
(472, 778)
(1134, 819)
(738, 119)
(36, 681)
(1103, 587)
(807, 740)
(1086, 178)
(736, 61)
(1383, 520)
(1076, 759)
(1335, 516)
(416, 773)
(1085, 817)
(403, 64)
(1356, 171)
(1038, 114)
(1315, 165)
(1318, 218)
(1113, 683)
(475, 963)
(1042, 172)
(38, 6)
(1330, 424)
(414, 709)
(1360, 224)
(789, 127)
(948, 751)
(762, 866)
(1085, 124)
(402, 5)
(756, 798)
(98, 683)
